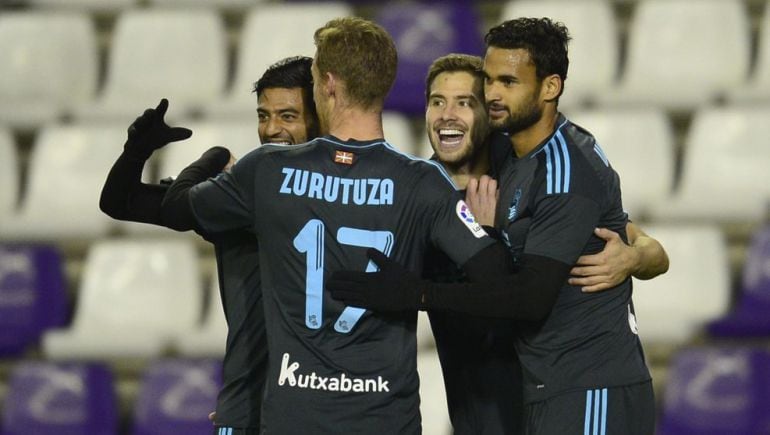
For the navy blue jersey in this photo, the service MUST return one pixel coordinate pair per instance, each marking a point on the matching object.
(316, 208)
(550, 202)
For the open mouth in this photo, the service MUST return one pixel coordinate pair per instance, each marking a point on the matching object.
(279, 141)
(450, 138)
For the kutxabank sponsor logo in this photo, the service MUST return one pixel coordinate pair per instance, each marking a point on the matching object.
(291, 377)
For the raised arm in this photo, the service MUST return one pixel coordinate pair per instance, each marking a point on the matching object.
(124, 196)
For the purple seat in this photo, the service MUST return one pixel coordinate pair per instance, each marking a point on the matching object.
(176, 396)
(717, 391)
(751, 316)
(424, 32)
(32, 295)
(60, 399)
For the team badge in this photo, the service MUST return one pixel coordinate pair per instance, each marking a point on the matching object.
(343, 157)
(465, 215)
(514, 208)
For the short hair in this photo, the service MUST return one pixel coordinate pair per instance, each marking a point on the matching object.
(361, 54)
(545, 40)
(288, 73)
(454, 62)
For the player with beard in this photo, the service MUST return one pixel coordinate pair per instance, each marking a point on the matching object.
(286, 115)
(583, 365)
(482, 376)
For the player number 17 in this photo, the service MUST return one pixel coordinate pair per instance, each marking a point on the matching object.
(310, 241)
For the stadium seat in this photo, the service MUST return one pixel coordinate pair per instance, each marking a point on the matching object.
(750, 316)
(9, 173)
(293, 24)
(180, 54)
(67, 169)
(48, 65)
(210, 338)
(717, 391)
(46, 398)
(638, 143)
(423, 32)
(593, 50)
(724, 175)
(176, 397)
(433, 404)
(134, 297)
(398, 132)
(219, 4)
(757, 89)
(673, 308)
(32, 295)
(683, 53)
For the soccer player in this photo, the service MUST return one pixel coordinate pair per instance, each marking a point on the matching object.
(315, 209)
(286, 115)
(582, 360)
(481, 371)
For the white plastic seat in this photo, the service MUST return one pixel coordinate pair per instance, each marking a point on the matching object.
(757, 89)
(398, 132)
(673, 308)
(290, 28)
(433, 405)
(220, 4)
(628, 137)
(683, 53)
(67, 170)
(155, 53)
(725, 174)
(9, 173)
(48, 64)
(210, 338)
(593, 50)
(135, 296)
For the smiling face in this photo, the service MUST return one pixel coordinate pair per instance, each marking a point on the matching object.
(512, 89)
(283, 118)
(455, 118)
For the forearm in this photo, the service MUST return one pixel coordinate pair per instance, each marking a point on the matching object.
(125, 197)
(651, 258)
(176, 210)
(494, 291)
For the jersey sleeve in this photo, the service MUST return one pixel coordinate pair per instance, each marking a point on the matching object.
(226, 202)
(453, 228)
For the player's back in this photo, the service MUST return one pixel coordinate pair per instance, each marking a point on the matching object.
(318, 207)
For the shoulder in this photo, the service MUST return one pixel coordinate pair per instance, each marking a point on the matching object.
(424, 168)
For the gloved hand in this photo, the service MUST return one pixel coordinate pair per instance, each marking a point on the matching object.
(392, 288)
(150, 132)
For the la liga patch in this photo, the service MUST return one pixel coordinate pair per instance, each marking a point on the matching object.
(467, 218)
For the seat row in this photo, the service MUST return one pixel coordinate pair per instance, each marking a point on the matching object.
(675, 59)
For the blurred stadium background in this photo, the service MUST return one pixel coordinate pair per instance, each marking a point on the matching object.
(108, 327)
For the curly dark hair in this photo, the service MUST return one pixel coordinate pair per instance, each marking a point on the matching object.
(545, 40)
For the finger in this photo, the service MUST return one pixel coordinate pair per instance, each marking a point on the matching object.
(589, 260)
(492, 187)
(347, 276)
(378, 257)
(587, 271)
(586, 280)
(212, 416)
(162, 107)
(472, 187)
(606, 234)
(178, 133)
(595, 288)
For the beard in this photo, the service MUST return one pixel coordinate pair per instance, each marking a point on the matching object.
(525, 116)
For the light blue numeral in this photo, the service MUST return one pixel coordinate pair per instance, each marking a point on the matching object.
(380, 240)
(310, 240)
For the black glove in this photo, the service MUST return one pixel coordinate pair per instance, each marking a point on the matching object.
(392, 288)
(150, 132)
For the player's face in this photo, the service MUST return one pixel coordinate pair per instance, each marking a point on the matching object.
(282, 116)
(512, 89)
(455, 117)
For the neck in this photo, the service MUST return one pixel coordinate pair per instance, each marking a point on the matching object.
(356, 123)
(526, 140)
(474, 168)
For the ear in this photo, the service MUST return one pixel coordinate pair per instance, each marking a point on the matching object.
(551, 87)
(330, 84)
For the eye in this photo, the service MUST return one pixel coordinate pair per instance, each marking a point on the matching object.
(437, 103)
(288, 117)
(262, 117)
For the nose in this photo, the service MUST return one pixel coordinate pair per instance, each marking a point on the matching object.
(491, 92)
(448, 112)
(272, 126)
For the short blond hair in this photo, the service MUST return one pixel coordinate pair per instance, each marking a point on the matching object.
(361, 54)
